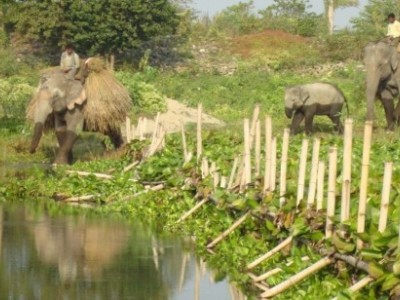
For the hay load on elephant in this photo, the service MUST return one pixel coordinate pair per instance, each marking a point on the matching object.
(108, 100)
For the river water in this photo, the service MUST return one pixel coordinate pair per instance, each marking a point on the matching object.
(45, 255)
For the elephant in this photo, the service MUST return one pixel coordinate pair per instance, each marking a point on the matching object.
(308, 100)
(381, 61)
(63, 103)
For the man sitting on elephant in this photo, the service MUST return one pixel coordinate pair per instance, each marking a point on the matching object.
(70, 62)
(393, 30)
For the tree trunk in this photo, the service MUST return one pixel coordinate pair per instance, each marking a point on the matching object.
(330, 16)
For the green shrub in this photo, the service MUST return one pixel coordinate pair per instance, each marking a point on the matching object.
(146, 98)
(15, 94)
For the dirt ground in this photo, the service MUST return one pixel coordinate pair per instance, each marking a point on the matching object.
(177, 115)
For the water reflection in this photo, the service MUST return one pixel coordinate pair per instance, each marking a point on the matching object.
(78, 257)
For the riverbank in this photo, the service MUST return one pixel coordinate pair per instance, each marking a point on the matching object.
(129, 194)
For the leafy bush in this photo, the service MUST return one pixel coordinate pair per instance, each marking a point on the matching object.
(146, 98)
(14, 96)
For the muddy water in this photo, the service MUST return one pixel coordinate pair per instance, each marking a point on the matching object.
(82, 257)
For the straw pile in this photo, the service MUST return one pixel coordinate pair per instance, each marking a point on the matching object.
(108, 100)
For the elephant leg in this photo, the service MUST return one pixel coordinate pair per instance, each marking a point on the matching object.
(296, 121)
(37, 134)
(397, 113)
(388, 105)
(64, 154)
(336, 121)
(115, 136)
(309, 122)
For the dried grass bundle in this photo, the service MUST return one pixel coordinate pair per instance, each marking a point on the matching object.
(108, 100)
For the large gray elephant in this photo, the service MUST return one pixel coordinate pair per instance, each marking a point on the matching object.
(69, 107)
(383, 77)
(308, 100)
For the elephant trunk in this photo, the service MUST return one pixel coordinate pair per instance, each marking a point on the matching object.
(288, 112)
(37, 134)
(372, 88)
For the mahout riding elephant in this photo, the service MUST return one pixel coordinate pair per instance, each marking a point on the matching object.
(382, 80)
(308, 100)
(101, 104)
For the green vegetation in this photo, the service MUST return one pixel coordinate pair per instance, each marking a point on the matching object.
(228, 63)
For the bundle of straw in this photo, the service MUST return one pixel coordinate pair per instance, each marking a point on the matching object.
(108, 101)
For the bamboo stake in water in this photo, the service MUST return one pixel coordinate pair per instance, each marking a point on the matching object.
(348, 141)
(268, 141)
(258, 148)
(205, 171)
(199, 138)
(320, 185)
(128, 127)
(273, 166)
(302, 172)
(192, 210)
(253, 127)
(284, 159)
(233, 172)
(362, 206)
(330, 214)
(247, 161)
(216, 179)
(229, 230)
(297, 278)
(314, 173)
(270, 253)
(387, 181)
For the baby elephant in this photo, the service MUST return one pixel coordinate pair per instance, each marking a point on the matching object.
(308, 100)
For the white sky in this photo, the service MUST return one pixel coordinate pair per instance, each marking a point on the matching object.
(342, 16)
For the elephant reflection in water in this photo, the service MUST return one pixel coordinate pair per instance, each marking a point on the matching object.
(77, 246)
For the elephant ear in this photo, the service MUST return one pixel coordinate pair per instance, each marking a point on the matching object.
(78, 100)
(394, 61)
(304, 95)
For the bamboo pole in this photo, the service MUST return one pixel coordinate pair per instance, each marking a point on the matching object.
(270, 253)
(268, 141)
(140, 129)
(199, 138)
(133, 132)
(258, 148)
(205, 172)
(216, 179)
(297, 278)
(302, 171)
(320, 184)
(346, 185)
(184, 145)
(284, 159)
(247, 158)
(155, 131)
(223, 182)
(79, 199)
(267, 274)
(233, 172)
(330, 214)
(362, 206)
(128, 128)
(229, 230)
(314, 173)
(253, 127)
(387, 181)
(360, 284)
(273, 166)
(131, 166)
(144, 127)
(192, 210)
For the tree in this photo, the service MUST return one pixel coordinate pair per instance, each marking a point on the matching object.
(95, 26)
(236, 19)
(371, 22)
(331, 6)
(292, 16)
